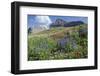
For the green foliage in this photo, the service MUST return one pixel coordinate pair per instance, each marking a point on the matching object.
(39, 48)
(69, 47)
(44, 45)
(29, 30)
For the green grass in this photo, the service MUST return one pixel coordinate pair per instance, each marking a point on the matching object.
(43, 45)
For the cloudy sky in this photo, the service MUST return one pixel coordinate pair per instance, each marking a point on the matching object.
(34, 20)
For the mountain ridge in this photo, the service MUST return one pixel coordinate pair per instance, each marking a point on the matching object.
(61, 22)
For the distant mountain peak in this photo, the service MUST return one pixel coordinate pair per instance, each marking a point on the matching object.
(58, 22)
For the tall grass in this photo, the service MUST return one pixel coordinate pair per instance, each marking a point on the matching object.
(44, 45)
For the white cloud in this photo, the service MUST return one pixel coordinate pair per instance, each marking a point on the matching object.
(42, 21)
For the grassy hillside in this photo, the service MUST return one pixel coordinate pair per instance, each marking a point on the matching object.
(58, 43)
